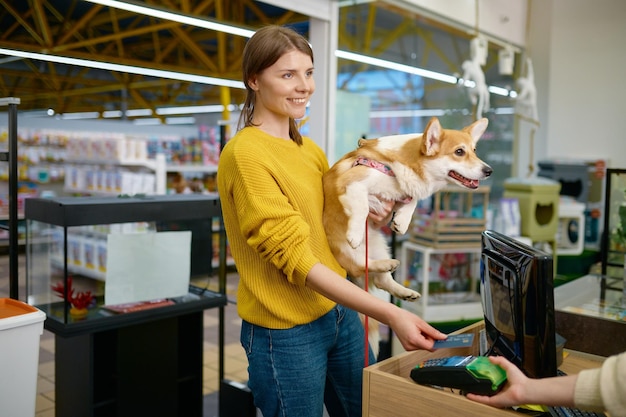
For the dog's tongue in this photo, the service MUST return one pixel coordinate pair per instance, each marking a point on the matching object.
(473, 184)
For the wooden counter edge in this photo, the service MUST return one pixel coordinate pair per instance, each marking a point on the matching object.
(387, 385)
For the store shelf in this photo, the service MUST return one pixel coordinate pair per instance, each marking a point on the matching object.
(206, 169)
(439, 303)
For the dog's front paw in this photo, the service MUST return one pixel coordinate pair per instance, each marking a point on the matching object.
(408, 294)
(399, 226)
(393, 265)
(383, 265)
(402, 220)
(355, 240)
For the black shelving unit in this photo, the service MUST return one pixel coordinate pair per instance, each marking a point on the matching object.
(10, 156)
(147, 362)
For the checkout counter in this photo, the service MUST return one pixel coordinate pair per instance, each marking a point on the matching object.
(589, 315)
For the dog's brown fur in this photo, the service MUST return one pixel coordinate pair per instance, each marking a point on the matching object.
(423, 163)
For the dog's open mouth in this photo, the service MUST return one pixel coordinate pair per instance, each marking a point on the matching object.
(466, 182)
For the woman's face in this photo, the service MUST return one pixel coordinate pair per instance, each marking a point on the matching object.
(284, 89)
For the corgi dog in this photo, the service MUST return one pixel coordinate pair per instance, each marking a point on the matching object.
(401, 168)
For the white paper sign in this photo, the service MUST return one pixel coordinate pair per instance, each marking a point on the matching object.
(147, 266)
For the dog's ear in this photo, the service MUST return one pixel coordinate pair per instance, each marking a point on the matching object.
(477, 129)
(431, 137)
(361, 142)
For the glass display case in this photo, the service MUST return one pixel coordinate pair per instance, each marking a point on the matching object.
(590, 314)
(137, 350)
(613, 251)
(91, 260)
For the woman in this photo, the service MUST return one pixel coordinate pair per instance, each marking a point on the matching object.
(599, 389)
(301, 333)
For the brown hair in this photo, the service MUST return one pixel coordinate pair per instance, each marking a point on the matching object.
(263, 49)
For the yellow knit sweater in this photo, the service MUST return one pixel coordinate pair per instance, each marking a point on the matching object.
(272, 201)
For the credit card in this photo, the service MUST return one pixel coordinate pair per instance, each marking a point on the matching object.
(455, 341)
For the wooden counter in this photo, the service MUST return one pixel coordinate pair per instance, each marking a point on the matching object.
(389, 390)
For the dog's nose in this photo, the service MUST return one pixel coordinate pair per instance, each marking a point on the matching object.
(487, 170)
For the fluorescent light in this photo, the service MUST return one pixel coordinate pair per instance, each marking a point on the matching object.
(163, 111)
(112, 113)
(174, 16)
(168, 120)
(395, 66)
(180, 120)
(501, 91)
(138, 112)
(382, 114)
(147, 121)
(504, 110)
(429, 112)
(35, 113)
(181, 76)
(161, 13)
(167, 111)
(498, 90)
(419, 71)
(80, 115)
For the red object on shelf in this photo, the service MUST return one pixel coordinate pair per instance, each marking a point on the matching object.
(80, 301)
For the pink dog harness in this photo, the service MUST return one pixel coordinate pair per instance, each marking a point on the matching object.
(379, 166)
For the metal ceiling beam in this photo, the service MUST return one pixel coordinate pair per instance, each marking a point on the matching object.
(84, 30)
(21, 20)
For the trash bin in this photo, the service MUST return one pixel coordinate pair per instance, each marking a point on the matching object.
(21, 326)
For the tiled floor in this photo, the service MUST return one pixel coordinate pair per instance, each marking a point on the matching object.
(235, 362)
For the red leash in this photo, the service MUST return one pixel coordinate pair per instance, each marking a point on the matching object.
(366, 320)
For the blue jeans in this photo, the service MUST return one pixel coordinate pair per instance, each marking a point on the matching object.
(294, 372)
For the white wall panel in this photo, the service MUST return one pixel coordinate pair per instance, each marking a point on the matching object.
(503, 19)
(585, 89)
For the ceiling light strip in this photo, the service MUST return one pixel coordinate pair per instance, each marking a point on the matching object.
(159, 13)
(125, 68)
(80, 115)
(499, 91)
(410, 113)
(395, 66)
(416, 71)
(173, 16)
(213, 108)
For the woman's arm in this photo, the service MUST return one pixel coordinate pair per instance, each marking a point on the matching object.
(413, 332)
(520, 389)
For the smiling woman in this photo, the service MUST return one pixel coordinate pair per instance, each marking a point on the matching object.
(298, 310)
(280, 84)
(282, 92)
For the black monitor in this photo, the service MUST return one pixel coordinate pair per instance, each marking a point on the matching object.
(517, 292)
